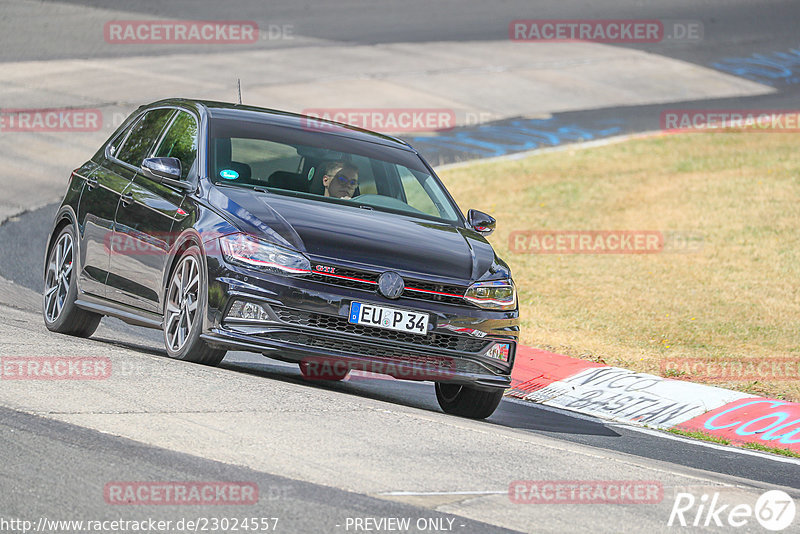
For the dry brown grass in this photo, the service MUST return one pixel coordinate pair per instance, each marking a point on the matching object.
(737, 299)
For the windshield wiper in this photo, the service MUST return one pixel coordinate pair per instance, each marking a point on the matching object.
(259, 188)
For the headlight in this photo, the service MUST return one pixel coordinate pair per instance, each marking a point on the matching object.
(494, 295)
(251, 252)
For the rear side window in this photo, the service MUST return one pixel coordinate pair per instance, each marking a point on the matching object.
(143, 134)
(117, 142)
(181, 142)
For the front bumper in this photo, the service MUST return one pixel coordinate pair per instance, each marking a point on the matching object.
(308, 321)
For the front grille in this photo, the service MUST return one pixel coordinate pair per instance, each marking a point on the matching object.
(368, 281)
(434, 292)
(343, 282)
(340, 324)
(363, 349)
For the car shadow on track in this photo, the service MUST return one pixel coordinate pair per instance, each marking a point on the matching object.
(521, 416)
(420, 395)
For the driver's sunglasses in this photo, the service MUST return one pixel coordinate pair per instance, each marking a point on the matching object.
(346, 180)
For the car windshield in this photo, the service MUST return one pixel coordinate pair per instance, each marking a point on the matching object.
(327, 167)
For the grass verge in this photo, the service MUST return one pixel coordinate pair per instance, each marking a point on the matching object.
(699, 435)
(722, 441)
(734, 298)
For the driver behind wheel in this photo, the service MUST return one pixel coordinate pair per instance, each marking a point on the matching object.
(340, 179)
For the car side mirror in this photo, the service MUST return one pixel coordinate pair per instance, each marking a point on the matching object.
(166, 171)
(482, 223)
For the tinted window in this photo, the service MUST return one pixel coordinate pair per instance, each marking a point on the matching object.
(181, 142)
(143, 134)
(366, 178)
(264, 157)
(420, 191)
(117, 142)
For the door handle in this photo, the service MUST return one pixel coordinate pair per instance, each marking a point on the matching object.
(126, 199)
(91, 183)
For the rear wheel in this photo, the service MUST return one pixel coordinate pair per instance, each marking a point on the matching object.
(183, 309)
(60, 289)
(466, 401)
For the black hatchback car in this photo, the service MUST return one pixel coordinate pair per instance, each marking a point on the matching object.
(239, 228)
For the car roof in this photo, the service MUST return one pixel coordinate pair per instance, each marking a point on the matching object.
(230, 111)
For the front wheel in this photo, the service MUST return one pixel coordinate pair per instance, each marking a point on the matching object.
(60, 289)
(466, 401)
(183, 309)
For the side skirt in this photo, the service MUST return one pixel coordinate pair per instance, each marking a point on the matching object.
(113, 309)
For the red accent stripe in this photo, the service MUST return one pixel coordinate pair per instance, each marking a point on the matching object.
(376, 283)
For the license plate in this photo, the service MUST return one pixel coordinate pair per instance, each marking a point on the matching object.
(390, 318)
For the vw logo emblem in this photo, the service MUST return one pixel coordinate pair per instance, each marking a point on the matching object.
(391, 285)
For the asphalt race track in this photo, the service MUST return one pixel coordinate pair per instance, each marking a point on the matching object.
(323, 454)
(108, 458)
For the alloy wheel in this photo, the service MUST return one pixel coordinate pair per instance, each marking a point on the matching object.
(182, 299)
(59, 275)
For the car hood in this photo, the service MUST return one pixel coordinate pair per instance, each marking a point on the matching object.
(370, 237)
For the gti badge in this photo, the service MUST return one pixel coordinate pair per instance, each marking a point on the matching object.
(390, 285)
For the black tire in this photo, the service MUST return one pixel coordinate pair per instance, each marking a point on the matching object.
(466, 401)
(184, 301)
(61, 288)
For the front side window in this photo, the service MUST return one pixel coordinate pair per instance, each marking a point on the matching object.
(143, 134)
(420, 191)
(181, 142)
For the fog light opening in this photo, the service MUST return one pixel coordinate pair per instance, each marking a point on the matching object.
(500, 352)
(247, 311)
